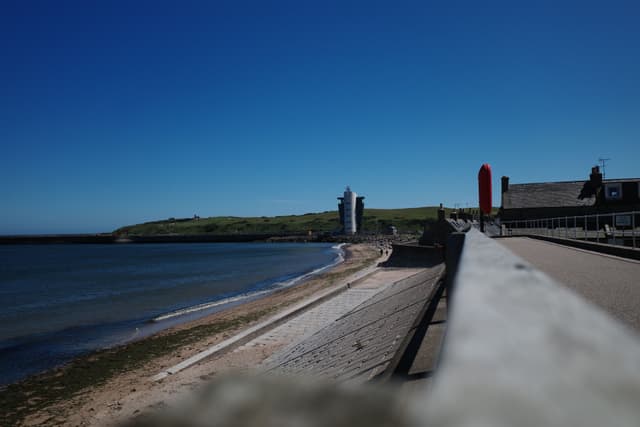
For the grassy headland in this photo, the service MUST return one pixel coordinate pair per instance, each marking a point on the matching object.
(409, 220)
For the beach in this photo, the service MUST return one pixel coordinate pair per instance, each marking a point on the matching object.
(112, 385)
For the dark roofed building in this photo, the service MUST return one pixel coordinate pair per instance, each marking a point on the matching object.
(547, 195)
(569, 198)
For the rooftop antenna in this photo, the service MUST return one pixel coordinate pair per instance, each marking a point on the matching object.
(603, 163)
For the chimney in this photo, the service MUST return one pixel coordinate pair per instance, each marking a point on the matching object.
(596, 177)
(505, 184)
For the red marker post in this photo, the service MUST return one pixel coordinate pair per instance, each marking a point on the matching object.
(484, 192)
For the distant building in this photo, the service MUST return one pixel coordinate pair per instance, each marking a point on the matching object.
(350, 209)
(569, 198)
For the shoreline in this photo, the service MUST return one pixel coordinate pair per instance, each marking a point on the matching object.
(35, 345)
(241, 298)
(54, 396)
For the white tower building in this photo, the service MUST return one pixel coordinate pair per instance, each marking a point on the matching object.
(350, 225)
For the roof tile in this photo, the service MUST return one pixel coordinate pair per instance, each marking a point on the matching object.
(549, 195)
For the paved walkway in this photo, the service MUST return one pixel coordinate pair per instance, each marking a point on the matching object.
(610, 282)
(362, 343)
(308, 323)
(311, 321)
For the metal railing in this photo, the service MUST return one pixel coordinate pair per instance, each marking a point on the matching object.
(617, 228)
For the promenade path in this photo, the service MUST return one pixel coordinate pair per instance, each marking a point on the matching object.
(364, 342)
(609, 282)
(311, 321)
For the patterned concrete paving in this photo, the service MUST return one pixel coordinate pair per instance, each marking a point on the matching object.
(362, 343)
(311, 321)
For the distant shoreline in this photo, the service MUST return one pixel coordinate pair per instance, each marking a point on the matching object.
(168, 238)
(309, 227)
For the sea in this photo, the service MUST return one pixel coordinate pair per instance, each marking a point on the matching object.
(61, 301)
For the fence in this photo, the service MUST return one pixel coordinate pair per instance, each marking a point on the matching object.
(617, 228)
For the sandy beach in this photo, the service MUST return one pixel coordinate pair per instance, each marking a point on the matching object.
(112, 385)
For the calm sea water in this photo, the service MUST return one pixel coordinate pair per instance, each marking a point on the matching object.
(60, 301)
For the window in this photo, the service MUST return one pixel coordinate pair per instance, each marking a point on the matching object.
(613, 191)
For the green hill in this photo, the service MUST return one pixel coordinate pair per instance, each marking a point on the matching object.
(410, 220)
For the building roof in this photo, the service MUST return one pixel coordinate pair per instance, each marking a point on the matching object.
(549, 195)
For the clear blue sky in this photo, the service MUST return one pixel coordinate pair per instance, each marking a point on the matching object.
(114, 113)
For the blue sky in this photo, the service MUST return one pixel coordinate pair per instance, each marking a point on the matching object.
(114, 113)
